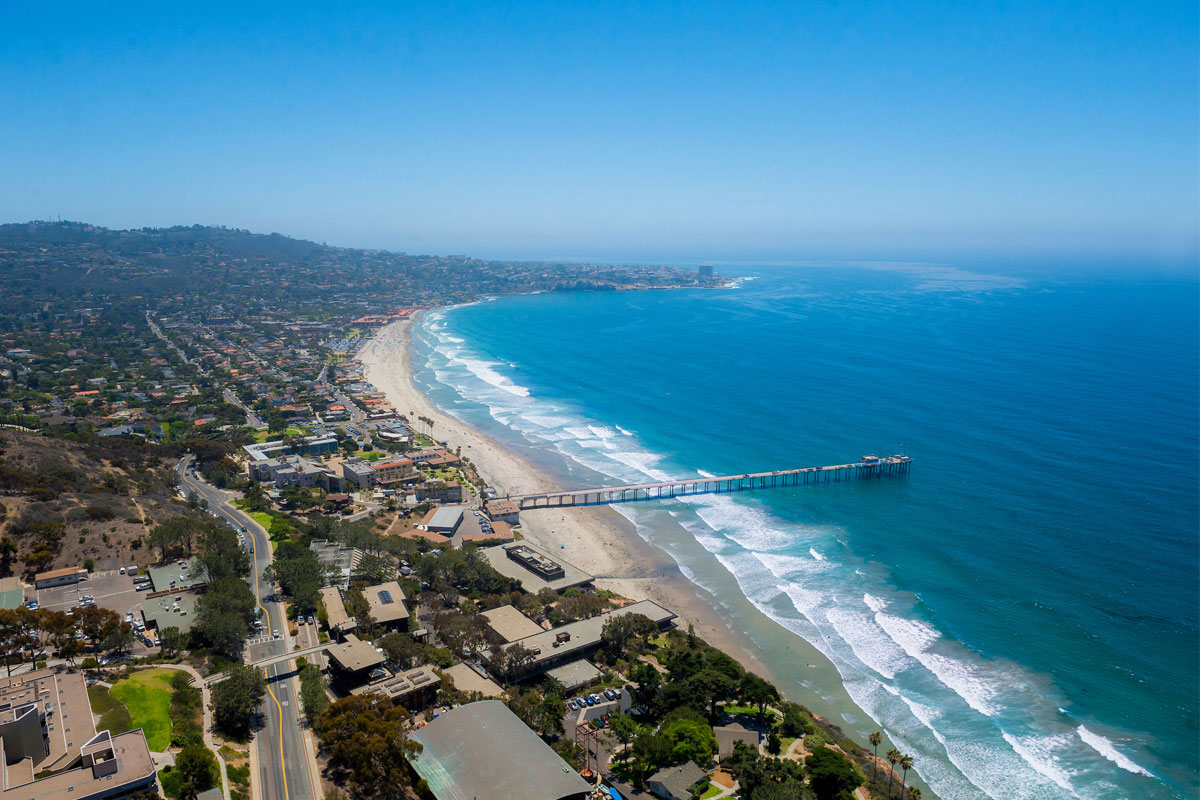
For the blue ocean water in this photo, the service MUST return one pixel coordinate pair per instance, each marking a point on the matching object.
(1021, 612)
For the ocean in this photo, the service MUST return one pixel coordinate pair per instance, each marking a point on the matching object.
(1020, 613)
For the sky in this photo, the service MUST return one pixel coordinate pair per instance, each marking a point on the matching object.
(620, 131)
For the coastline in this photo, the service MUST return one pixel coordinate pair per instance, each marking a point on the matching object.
(597, 540)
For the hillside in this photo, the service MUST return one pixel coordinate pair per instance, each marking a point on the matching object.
(66, 500)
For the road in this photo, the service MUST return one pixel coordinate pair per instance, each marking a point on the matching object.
(252, 419)
(286, 771)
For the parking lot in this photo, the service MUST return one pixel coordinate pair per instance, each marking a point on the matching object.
(110, 590)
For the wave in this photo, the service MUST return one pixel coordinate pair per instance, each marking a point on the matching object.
(1106, 748)
(1039, 753)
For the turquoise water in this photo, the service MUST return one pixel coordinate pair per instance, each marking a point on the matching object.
(1021, 612)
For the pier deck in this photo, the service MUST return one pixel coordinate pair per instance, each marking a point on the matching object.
(867, 468)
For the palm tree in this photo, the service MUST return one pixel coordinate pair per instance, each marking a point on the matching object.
(875, 738)
(914, 793)
(906, 763)
(893, 757)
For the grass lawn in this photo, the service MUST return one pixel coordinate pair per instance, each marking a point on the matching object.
(147, 695)
(261, 517)
(114, 717)
(263, 436)
(712, 791)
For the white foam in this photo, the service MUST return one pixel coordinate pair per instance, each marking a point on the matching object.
(622, 430)
(870, 644)
(705, 473)
(916, 639)
(1039, 753)
(1106, 748)
(874, 603)
(812, 551)
(484, 371)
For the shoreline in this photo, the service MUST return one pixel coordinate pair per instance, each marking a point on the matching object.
(598, 540)
(610, 548)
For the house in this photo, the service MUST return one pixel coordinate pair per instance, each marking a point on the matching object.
(484, 750)
(504, 510)
(673, 783)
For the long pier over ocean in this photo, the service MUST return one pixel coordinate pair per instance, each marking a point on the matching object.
(867, 467)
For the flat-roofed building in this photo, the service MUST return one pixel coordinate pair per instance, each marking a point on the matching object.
(509, 623)
(504, 510)
(177, 575)
(46, 726)
(170, 610)
(413, 688)
(335, 611)
(59, 577)
(577, 639)
(358, 473)
(355, 659)
(387, 604)
(389, 473)
(484, 750)
(533, 581)
(445, 520)
(340, 559)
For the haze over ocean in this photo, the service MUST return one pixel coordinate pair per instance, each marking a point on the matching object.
(1020, 613)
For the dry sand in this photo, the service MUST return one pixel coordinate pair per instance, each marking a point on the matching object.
(597, 540)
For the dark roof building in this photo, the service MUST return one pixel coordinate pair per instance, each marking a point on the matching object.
(484, 750)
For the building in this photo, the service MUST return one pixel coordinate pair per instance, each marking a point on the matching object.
(576, 640)
(414, 688)
(543, 566)
(46, 727)
(293, 471)
(335, 611)
(340, 561)
(445, 520)
(440, 491)
(729, 735)
(305, 446)
(358, 473)
(389, 473)
(534, 580)
(704, 271)
(354, 660)
(673, 783)
(484, 750)
(504, 510)
(59, 577)
(510, 624)
(177, 576)
(170, 610)
(435, 457)
(387, 604)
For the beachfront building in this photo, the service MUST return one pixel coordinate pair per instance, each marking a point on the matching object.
(391, 473)
(302, 446)
(535, 568)
(575, 640)
(510, 624)
(46, 729)
(484, 750)
(504, 511)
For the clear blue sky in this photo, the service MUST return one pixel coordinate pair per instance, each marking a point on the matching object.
(616, 130)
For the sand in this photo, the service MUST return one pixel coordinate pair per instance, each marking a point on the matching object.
(597, 540)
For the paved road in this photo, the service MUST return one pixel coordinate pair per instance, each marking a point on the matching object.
(285, 771)
(252, 419)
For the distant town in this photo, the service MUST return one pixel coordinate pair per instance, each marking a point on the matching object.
(231, 568)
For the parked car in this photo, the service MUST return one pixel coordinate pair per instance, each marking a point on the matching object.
(608, 695)
(591, 701)
(311, 620)
(573, 705)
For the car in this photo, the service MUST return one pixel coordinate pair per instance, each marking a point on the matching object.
(275, 633)
(87, 598)
(121, 571)
(300, 620)
(311, 621)
(129, 617)
(596, 697)
(142, 587)
(591, 701)
(608, 694)
(616, 694)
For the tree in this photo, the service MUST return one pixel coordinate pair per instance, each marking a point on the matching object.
(875, 738)
(401, 650)
(198, 768)
(366, 740)
(235, 700)
(511, 661)
(914, 793)
(893, 757)
(774, 743)
(757, 692)
(831, 774)
(620, 633)
(312, 692)
(711, 687)
(906, 762)
(171, 640)
(624, 729)
(690, 736)
(223, 615)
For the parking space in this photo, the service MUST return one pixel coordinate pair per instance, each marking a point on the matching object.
(108, 589)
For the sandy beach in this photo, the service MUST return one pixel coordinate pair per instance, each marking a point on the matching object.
(597, 540)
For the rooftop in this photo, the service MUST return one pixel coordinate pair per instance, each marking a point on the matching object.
(530, 581)
(446, 518)
(484, 750)
(585, 633)
(354, 655)
(335, 610)
(386, 601)
(174, 610)
(510, 623)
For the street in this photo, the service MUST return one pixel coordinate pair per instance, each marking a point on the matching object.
(284, 767)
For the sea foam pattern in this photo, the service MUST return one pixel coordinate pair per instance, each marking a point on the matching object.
(978, 728)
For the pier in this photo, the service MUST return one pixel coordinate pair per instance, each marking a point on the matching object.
(867, 468)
